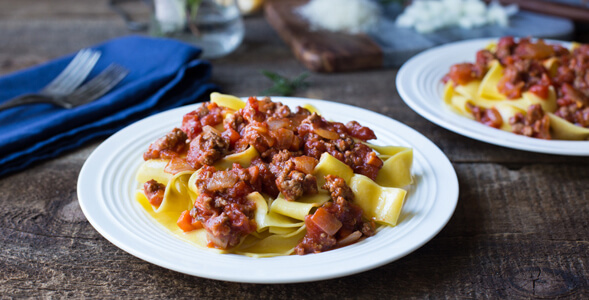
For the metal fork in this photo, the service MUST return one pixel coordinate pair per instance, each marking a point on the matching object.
(74, 73)
(66, 82)
(88, 92)
(96, 87)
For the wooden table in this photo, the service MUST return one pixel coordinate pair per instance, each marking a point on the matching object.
(520, 230)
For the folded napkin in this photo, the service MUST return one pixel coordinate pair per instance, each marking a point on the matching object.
(163, 74)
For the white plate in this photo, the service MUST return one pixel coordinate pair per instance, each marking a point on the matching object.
(419, 84)
(106, 188)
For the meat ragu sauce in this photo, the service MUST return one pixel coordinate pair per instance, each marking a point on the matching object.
(336, 223)
(524, 70)
(290, 144)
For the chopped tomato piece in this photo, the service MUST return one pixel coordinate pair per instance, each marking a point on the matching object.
(462, 74)
(540, 90)
(186, 223)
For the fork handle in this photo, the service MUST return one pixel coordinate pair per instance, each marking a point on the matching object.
(31, 99)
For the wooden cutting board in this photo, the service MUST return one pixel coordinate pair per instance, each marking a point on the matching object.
(387, 45)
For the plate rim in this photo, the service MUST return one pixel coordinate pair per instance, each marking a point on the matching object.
(470, 128)
(442, 163)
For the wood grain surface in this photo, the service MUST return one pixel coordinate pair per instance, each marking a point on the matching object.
(520, 231)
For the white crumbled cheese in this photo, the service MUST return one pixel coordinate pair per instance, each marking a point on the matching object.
(427, 16)
(352, 16)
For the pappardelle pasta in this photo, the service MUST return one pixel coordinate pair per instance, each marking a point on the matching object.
(526, 87)
(259, 179)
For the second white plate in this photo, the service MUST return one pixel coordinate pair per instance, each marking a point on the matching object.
(106, 188)
(419, 84)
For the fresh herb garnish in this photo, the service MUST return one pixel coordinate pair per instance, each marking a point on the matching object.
(284, 86)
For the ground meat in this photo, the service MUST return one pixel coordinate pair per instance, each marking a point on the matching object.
(206, 148)
(361, 132)
(299, 115)
(315, 240)
(292, 183)
(234, 121)
(251, 112)
(315, 146)
(256, 134)
(154, 191)
(570, 111)
(191, 124)
(337, 188)
(484, 59)
(573, 105)
(463, 73)
(168, 146)
(534, 124)
(520, 74)
(537, 50)
(273, 109)
(341, 207)
(227, 224)
(279, 159)
(579, 63)
(267, 178)
(511, 84)
(487, 116)
(505, 47)
(343, 145)
(361, 158)
(222, 206)
(295, 184)
(344, 209)
(318, 125)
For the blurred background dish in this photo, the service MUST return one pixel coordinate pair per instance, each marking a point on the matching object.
(387, 44)
(420, 86)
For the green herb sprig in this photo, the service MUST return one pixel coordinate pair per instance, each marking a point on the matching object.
(284, 86)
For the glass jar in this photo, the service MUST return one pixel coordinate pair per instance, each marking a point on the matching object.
(215, 26)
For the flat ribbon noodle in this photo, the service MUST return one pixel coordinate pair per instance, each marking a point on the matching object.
(273, 245)
(228, 101)
(177, 196)
(488, 87)
(292, 209)
(153, 169)
(396, 168)
(562, 129)
(507, 111)
(381, 204)
(331, 165)
(243, 158)
(265, 219)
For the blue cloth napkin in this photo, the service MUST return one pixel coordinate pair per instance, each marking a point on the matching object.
(164, 73)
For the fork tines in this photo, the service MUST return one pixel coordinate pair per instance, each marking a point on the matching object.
(74, 74)
(99, 85)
